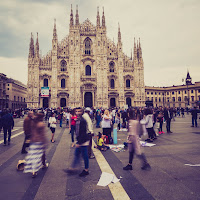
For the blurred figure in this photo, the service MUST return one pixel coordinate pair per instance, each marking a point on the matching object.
(7, 124)
(168, 114)
(72, 125)
(134, 146)
(27, 131)
(35, 158)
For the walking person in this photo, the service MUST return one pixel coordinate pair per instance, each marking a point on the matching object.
(90, 131)
(52, 122)
(72, 125)
(148, 121)
(35, 158)
(60, 117)
(194, 112)
(168, 116)
(134, 129)
(7, 124)
(27, 131)
(81, 145)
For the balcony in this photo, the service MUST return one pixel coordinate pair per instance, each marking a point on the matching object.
(88, 78)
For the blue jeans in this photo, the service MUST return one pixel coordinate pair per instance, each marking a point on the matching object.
(73, 128)
(61, 123)
(194, 121)
(78, 151)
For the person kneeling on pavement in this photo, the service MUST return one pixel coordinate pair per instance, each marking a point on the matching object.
(101, 142)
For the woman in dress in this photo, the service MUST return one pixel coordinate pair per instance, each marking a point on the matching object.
(134, 130)
(35, 158)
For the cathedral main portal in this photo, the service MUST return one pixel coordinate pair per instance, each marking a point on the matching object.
(88, 101)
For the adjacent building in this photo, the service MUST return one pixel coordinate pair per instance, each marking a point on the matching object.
(3, 97)
(16, 94)
(187, 95)
(85, 69)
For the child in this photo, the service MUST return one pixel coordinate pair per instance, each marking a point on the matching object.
(100, 142)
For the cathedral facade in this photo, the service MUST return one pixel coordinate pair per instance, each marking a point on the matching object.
(85, 69)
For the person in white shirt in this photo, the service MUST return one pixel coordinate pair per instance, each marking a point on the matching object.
(52, 122)
(106, 124)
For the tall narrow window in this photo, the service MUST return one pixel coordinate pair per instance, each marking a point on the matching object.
(112, 83)
(45, 82)
(128, 83)
(88, 46)
(63, 83)
(112, 67)
(88, 70)
(63, 65)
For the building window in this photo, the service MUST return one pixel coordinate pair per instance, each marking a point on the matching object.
(185, 92)
(24, 99)
(192, 98)
(185, 98)
(112, 67)
(159, 93)
(147, 92)
(155, 92)
(151, 98)
(167, 93)
(21, 99)
(8, 89)
(199, 98)
(14, 98)
(173, 99)
(151, 92)
(179, 98)
(128, 83)
(191, 91)
(155, 99)
(199, 91)
(88, 70)
(45, 82)
(18, 98)
(63, 83)
(63, 65)
(159, 99)
(88, 46)
(179, 92)
(112, 83)
(172, 92)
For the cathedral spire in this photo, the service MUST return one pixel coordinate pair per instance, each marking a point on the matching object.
(140, 50)
(37, 47)
(119, 34)
(71, 17)
(103, 19)
(135, 51)
(98, 18)
(54, 31)
(31, 47)
(77, 16)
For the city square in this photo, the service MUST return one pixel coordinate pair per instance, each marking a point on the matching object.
(114, 83)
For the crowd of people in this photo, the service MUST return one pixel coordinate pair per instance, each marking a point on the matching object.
(80, 122)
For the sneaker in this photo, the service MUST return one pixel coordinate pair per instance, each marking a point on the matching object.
(34, 175)
(163, 132)
(146, 167)
(24, 152)
(84, 173)
(160, 132)
(91, 157)
(45, 166)
(128, 167)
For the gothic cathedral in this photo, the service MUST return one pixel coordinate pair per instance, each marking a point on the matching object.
(85, 69)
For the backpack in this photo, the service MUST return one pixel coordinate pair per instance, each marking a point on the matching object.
(110, 140)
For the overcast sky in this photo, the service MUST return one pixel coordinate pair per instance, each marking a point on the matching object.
(169, 32)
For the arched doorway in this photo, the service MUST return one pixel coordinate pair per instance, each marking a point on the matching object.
(128, 101)
(45, 102)
(112, 102)
(88, 99)
(62, 102)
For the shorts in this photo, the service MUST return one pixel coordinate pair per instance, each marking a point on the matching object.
(53, 129)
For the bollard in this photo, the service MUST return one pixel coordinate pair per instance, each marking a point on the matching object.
(115, 136)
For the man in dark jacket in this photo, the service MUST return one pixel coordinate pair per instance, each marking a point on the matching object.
(168, 115)
(82, 143)
(194, 112)
(7, 124)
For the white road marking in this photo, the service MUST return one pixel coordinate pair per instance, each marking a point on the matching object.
(13, 136)
(116, 189)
